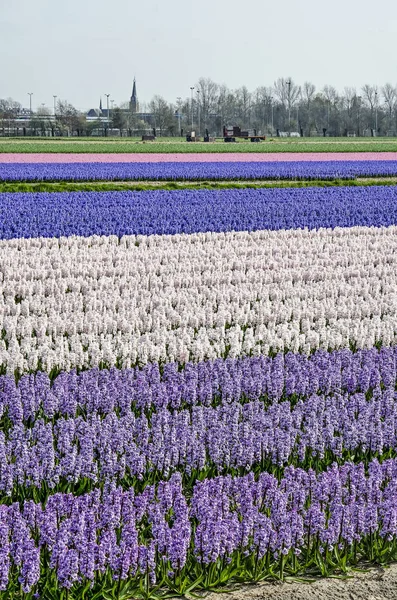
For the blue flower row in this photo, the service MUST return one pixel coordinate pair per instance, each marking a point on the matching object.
(196, 171)
(27, 215)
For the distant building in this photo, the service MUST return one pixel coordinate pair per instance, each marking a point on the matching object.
(140, 123)
(98, 113)
(134, 105)
(102, 113)
(94, 113)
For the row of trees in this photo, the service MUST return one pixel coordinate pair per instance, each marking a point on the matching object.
(284, 108)
(66, 121)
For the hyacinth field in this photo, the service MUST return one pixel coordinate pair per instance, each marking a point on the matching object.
(197, 171)
(197, 387)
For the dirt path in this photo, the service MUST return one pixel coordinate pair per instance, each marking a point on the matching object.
(377, 584)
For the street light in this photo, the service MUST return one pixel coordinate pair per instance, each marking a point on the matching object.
(107, 107)
(55, 97)
(179, 100)
(198, 110)
(289, 104)
(191, 103)
(271, 104)
(376, 113)
(30, 102)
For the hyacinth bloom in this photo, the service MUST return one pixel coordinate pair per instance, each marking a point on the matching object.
(84, 302)
(196, 171)
(338, 513)
(107, 427)
(159, 212)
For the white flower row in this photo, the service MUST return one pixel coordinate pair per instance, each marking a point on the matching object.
(75, 302)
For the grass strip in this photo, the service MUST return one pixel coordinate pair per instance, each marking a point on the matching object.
(108, 186)
(179, 145)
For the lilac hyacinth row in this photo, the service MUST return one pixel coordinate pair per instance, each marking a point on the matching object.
(86, 535)
(225, 518)
(195, 171)
(27, 215)
(205, 440)
(222, 380)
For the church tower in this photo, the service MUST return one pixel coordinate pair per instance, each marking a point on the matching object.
(134, 106)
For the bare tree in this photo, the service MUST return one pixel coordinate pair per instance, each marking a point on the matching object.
(390, 96)
(163, 115)
(308, 91)
(9, 110)
(263, 106)
(370, 99)
(243, 99)
(41, 120)
(288, 93)
(370, 93)
(281, 92)
(348, 98)
(118, 119)
(208, 93)
(330, 93)
(67, 117)
(226, 107)
(332, 100)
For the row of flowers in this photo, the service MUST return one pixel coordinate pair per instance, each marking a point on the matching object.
(85, 302)
(241, 525)
(91, 450)
(189, 211)
(156, 157)
(103, 426)
(196, 171)
(211, 383)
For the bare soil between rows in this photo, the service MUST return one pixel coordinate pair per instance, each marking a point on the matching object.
(379, 583)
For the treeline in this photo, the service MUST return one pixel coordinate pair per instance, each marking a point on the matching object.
(286, 108)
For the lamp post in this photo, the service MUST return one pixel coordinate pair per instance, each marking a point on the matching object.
(30, 94)
(179, 100)
(376, 113)
(198, 110)
(107, 109)
(191, 103)
(289, 105)
(55, 97)
(272, 106)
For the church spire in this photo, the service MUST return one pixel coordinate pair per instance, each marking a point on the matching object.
(134, 106)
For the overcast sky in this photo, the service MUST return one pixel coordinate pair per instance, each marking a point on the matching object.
(82, 49)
